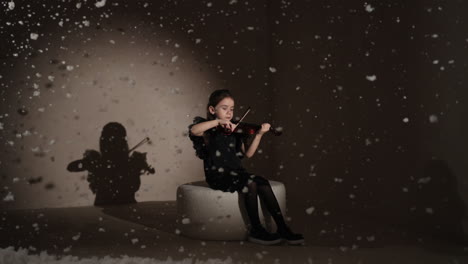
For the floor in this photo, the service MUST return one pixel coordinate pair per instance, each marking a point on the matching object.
(148, 229)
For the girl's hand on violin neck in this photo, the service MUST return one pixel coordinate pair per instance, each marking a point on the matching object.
(265, 128)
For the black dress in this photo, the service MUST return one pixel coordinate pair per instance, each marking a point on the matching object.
(221, 155)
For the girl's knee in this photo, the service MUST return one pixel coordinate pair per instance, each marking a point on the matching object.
(260, 180)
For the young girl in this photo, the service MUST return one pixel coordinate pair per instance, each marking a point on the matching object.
(222, 154)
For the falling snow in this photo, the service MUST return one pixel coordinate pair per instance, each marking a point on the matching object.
(371, 78)
(310, 210)
(34, 36)
(100, 4)
(11, 5)
(369, 8)
(9, 197)
(312, 113)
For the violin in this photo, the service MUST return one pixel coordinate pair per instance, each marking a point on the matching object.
(142, 156)
(248, 128)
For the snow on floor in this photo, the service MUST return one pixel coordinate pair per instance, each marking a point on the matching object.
(145, 233)
(10, 256)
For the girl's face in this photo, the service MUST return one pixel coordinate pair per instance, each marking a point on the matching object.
(224, 109)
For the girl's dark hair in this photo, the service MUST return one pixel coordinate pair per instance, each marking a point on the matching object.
(216, 97)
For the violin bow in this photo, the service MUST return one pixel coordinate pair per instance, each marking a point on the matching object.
(240, 120)
(245, 114)
(146, 139)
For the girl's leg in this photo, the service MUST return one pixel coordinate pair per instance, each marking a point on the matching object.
(265, 191)
(251, 205)
(257, 233)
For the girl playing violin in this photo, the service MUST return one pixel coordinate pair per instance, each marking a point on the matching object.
(222, 153)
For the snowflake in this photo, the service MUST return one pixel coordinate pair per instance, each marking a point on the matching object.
(245, 189)
(9, 197)
(368, 142)
(100, 4)
(310, 210)
(34, 36)
(369, 8)
(371, 78)
(11, 5)
(76, 237)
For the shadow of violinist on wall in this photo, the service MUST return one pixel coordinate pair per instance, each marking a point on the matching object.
(114, 172)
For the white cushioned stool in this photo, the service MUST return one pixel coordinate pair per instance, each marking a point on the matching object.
(204, 213)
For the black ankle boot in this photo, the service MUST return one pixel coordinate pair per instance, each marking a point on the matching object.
(290, 237)
(260, 236)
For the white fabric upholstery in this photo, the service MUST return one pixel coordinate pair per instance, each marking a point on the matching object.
(204, 213)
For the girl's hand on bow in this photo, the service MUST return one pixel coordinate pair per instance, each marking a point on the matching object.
(227, 125)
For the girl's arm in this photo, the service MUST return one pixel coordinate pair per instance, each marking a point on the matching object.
(256, 141)
(200, 128)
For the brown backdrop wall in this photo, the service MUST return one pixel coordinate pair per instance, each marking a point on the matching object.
(368, 94)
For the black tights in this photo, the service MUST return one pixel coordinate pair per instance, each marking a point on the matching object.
(261, 186)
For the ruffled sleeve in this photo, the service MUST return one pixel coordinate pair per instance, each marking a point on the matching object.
(198, 141)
